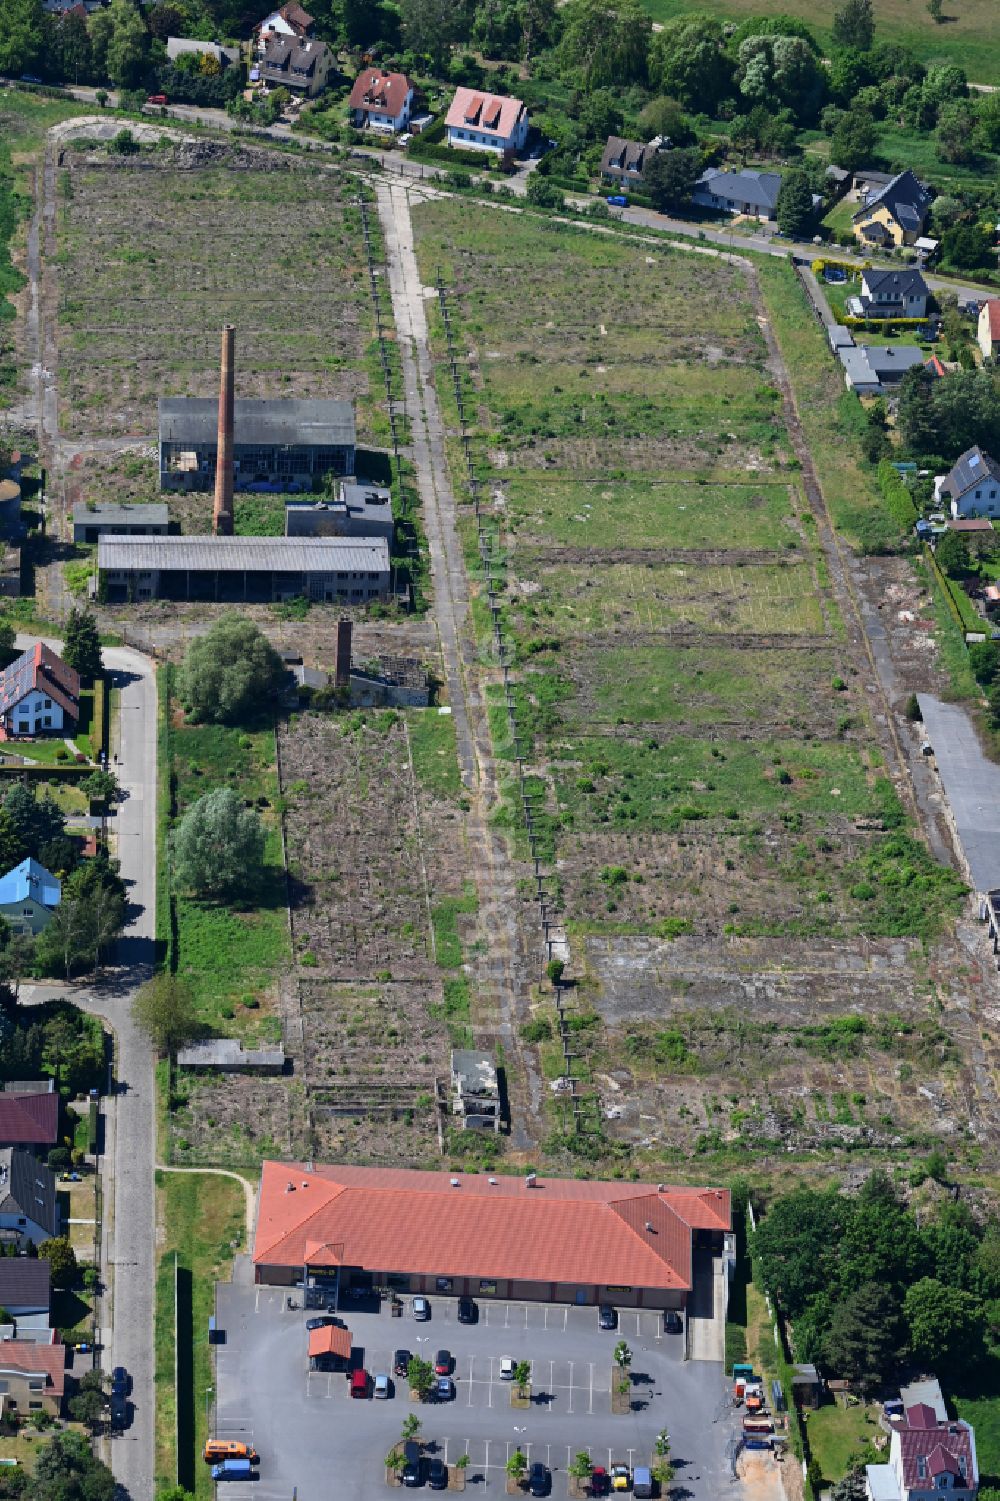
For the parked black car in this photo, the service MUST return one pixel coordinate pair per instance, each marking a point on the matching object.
(437, 1475)
(401, 1362)
(539, 1479)
(120, 1382)
(606, 1317)
(672, 1322)
(411, 1463)
(119, 1414)
(468, 1313)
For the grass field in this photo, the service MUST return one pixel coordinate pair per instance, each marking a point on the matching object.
(230, 954)
(698, 741)
(968, 37)
(201, 1222)
(836, 1434)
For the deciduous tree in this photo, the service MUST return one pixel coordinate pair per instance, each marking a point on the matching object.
(689, 61)
(218, 846)
(671, 175)
(165, 1010)
(854, 25)
(232, 674)
(22, 36)
(795, 206)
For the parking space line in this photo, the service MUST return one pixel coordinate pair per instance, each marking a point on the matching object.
(472, 1362)
(506, 1315)
(570, 1409)
(552, 1376)
(591, 1407)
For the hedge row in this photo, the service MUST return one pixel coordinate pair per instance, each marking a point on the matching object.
(847, 321)
(428, 151)
(897, 496)
(99, 727)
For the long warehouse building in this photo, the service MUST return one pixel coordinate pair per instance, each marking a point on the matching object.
(341, 570)
(276, 444)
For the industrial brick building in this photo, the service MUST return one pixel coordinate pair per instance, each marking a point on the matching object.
(545, 1240)
(360, 510)
(243, 569)
(277, 445)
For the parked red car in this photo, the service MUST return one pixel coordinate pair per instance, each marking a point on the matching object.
(157, 99)
(359, 1383)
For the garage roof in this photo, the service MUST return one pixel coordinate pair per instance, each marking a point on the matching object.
(289, 423)
(330, 1340)
(468, 1225)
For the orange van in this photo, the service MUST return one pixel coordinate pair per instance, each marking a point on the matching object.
(218, 1449)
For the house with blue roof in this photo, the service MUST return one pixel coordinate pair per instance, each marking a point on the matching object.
(28, 897)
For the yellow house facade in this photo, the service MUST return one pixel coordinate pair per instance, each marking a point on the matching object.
(895, 215)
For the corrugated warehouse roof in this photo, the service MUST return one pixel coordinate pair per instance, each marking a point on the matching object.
(255, 554)
(560, 1230)
(195, 420)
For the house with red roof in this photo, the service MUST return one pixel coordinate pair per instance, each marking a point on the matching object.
(988, 331)
(532, 1239)
(486, 122)
(32, 1376)
(289, 21)
(39, 695)
(381, 101)
(929, 1457)
(29, 1119)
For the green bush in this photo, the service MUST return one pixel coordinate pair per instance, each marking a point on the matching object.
(897, 497)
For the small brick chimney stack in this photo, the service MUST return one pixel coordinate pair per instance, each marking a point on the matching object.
(222, 511)
(344, 632)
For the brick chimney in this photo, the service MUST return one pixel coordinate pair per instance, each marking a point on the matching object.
(344, 630)
(222, 511)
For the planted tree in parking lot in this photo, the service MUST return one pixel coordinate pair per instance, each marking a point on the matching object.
(516, 1465)
(581, 1467)
(522, 1374)
(623, 1355)
(420, 1375)
(411, 1425)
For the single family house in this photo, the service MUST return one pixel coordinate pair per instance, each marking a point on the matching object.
(381, 101)
(971, 486)
(486, 122)
(890, 294)
(870, 368)
(29, 1117)
(28, 897)
(25, 1287)
(988, 332)
(29, 1208)
(624, 162)
(300, 66)
(290, 21)
(928, 1458)
(32, 1376)
(754, 195)
(892, 214)
(38, 694)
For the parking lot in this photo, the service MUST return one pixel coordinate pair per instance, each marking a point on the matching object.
(311, 1435)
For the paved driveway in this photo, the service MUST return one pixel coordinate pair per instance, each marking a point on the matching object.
(313, 1436)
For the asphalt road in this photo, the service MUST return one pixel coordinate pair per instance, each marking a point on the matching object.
(306, 1427)
(972, 786)
(129, 1242)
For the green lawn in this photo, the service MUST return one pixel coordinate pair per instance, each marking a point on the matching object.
(836, 1433)
(201, 1219)
(227, 951)
(970, 37)
(432, 746)
(637, 510)
(839, 218)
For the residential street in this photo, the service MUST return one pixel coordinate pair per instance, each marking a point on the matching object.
(128, 1248)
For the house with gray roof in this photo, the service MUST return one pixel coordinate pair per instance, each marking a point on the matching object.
(29, 1207)
(25, 1288)
(624, 162)
(971, 486)
(890, 294)
(892, 214)
(869, 369)
(300, 64)
(752, 194)
(229, 1055)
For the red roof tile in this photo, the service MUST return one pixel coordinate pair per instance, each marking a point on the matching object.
(375, 90)
(329, 1340)
(29, 1359)
(562, 1230)
(40, 668)
(29, 1120)
(495, 113)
